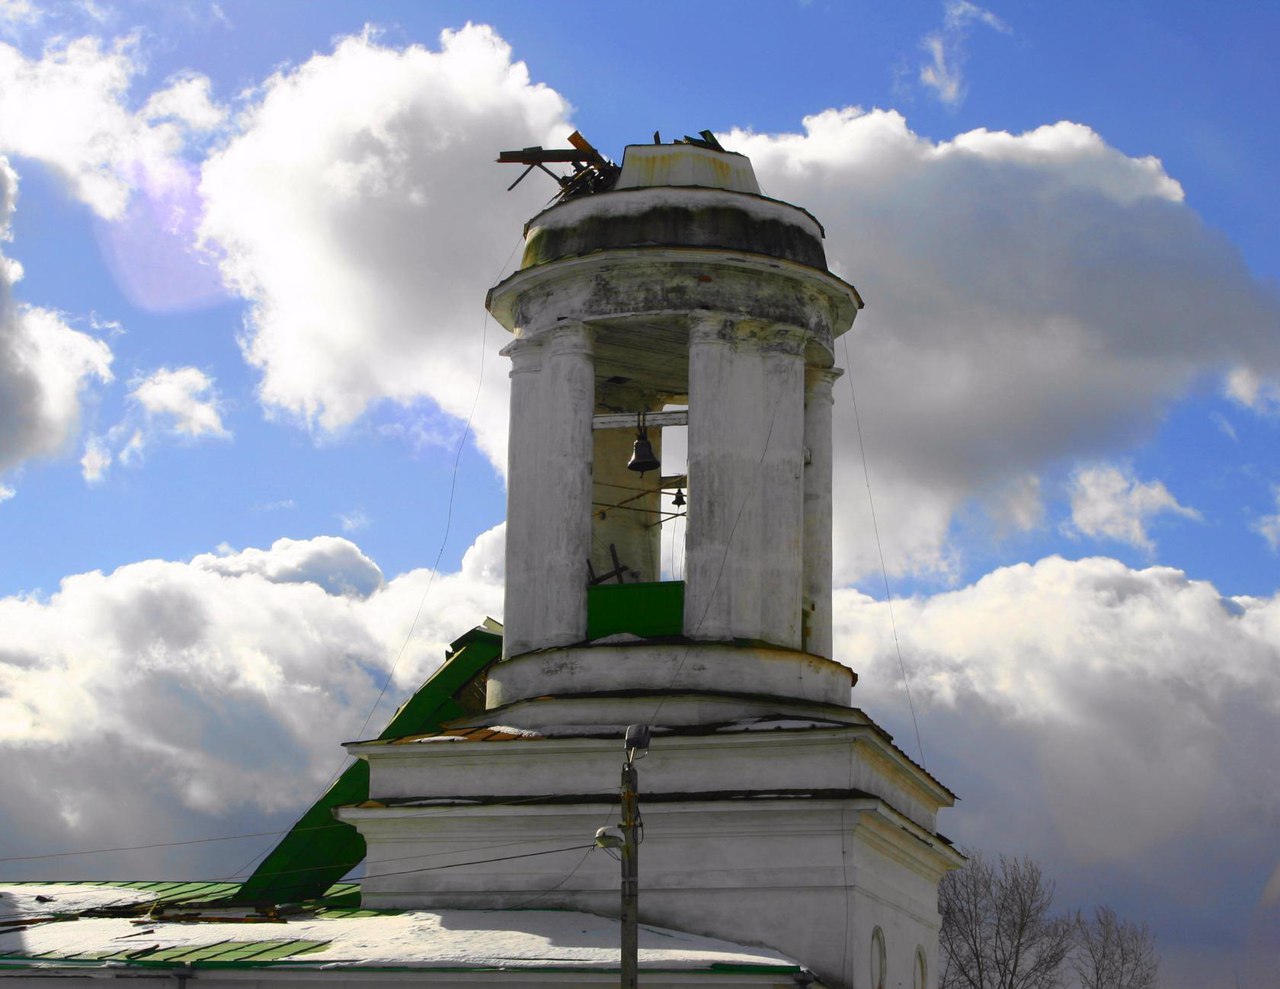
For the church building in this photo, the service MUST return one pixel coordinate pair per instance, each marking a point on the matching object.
(778, 836)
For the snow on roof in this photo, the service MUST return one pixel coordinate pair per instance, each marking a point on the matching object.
(26, 900)
(427, 939)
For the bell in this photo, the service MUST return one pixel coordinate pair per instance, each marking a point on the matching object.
(642, 458)
(678, 500)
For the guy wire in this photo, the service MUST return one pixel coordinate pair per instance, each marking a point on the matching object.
(888, 595)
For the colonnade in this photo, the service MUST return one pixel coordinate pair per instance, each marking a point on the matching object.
(758, 530)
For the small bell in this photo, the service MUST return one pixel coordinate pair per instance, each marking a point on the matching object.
(678, 499)
(642, 458)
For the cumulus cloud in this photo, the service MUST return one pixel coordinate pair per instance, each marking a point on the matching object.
(334, 564)
(170, 698)
(359, 211)
(179, 402)
(1032, 299)
(69, 110)
(1109, 502)
(1099, 718)
(45, 365)
(184, 398)
(943, 73)
(188, 99)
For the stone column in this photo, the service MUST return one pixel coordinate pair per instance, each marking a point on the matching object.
(723, 535)
(817, 509)
(781, 470)
(549, 490)
(565, 509)
(524, 453)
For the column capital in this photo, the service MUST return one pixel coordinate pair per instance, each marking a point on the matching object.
(569, 337)
(710, 326)
(525, 354)
(818, 381)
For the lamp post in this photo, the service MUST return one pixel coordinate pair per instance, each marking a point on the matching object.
(637, 745)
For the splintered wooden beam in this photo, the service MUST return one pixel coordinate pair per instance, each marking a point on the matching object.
(539, 156)
(585, 146)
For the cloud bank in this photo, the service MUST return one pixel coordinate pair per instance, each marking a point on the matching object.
(1103, 720)
(1097, 717)
(170, 699)
(1033, 300)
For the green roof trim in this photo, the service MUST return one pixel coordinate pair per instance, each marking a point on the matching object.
(319, 850)
(239, 953)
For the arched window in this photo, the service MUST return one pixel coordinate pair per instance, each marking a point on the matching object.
(877, 959)
(920, 978)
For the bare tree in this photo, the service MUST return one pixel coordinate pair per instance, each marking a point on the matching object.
(998, 931)
(1115, 954)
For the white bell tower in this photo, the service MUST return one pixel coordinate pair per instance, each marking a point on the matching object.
(681, 286)
(669, 294)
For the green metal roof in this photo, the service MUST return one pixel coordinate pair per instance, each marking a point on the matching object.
(319, 849)
(239, 953)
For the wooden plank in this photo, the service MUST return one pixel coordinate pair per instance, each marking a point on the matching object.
(629, 420)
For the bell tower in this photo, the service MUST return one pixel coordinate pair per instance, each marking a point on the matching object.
(661, 305)
(682, 297)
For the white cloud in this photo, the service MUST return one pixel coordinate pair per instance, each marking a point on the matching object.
(189, 99)
(335, 564)
(184, 398)
(360, 212)
(176, 402)
(15, 14)
(45, 365)
(1109, 502)
(131, 453)
(1247, 387)
(1100, 719)
(943, 73)
(69, 110)
(1027, 305)
(1020, 505)
(1027, 298)
(355, 520)
(96, 460)
(6, 492)
(179, 698)
(1268, 526)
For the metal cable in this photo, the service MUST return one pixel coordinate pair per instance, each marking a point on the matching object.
(888, 595)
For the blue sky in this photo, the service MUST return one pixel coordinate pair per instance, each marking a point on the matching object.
(254, 242)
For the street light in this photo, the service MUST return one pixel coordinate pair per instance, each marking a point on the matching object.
(637, 746)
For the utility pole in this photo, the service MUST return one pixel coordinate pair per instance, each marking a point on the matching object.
(637, 744)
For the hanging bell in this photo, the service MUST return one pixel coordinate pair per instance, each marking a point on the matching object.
(678, 499)
(642, 458)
